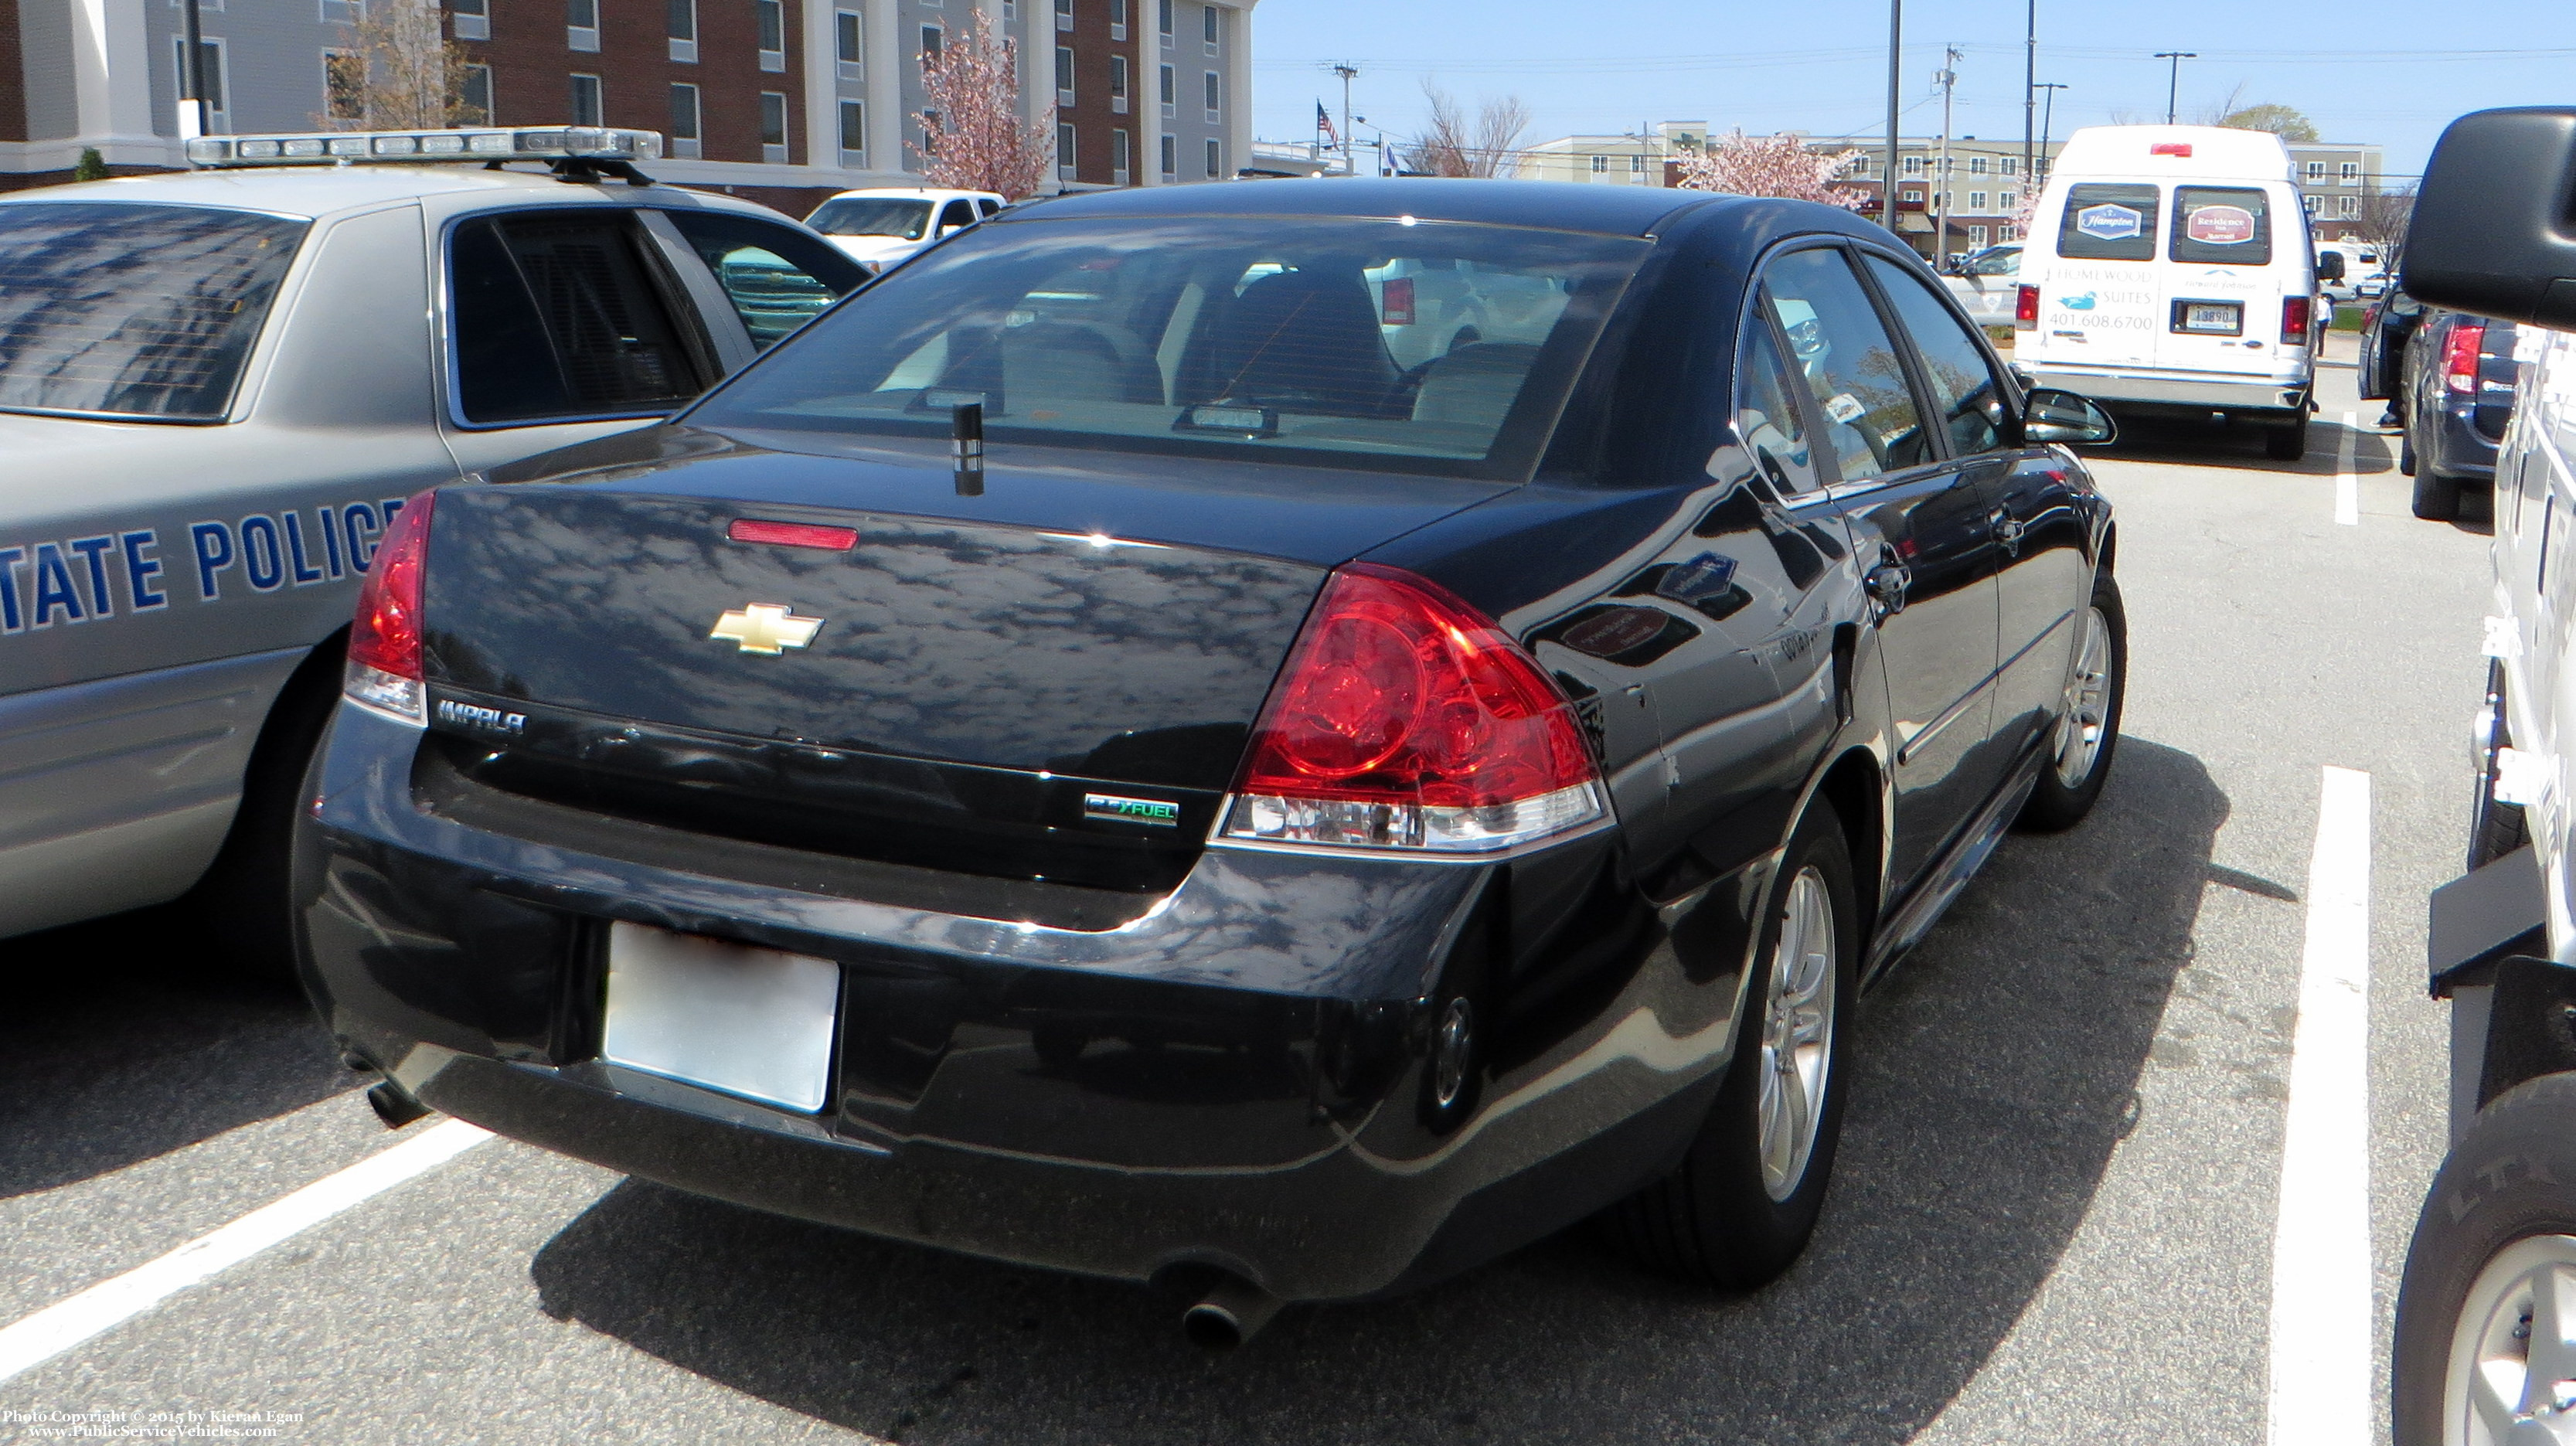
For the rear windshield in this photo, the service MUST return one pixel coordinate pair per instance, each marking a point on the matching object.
(2105, 222)
(2222, 225)
(1431, 347)
(871, 216)
(123, 310)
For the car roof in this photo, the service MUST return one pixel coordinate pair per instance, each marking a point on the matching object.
(1556, 205)
(912, 193)
(318, 191)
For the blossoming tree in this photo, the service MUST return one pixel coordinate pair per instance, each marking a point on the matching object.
(1780, 165)
(977, 139)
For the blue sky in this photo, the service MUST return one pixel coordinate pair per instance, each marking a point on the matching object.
(2364, 70)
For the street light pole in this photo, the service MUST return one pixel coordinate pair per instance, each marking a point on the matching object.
(1949, 79)
(2173, 82)
(2029, 80)
(2047, 118)
(1887, 181)
(1348, 73)
(192, 76)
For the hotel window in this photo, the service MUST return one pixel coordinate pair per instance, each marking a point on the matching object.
(1064, 75)
(586, 104)
(2315, 204)
(1119, 149)
(683, 31)
(1215, 160)
(2351, 171)
(773, 34)
(684, 123)
(473, 18)
(2348, 207)
(1977, 237)
(2316, 170)
(1976, 200)
(1637, 164)
(1213, 109)
(1976, 165)
(474, 96)
(929, 134)
(1909, 197)
(1600, 165)
(581, 24)
(773, 127)
(2006, 200)
(930, 38)
(2012, 165)
(850, 44)
(1064, 152)
(854, 133)
(1064, 14)
(1913, 165)
(1170, 96)
(1118, 19)
(1171, 166)
(212, 50)
(1118, 85)
(1207, 15)
(1164, 20)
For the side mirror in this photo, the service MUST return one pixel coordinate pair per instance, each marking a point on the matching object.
(2051, 415)
(2330, 266)
(2492, 233)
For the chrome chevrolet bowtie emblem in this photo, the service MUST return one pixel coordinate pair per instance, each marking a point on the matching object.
(766, 629)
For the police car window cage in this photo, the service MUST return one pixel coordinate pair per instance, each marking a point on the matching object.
(134, 311)
(560, 316)
(2109, 221)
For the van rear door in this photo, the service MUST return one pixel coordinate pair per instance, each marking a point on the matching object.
(2099, 298)
(2221, 291)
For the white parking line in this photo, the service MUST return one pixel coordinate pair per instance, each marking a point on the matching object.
(2347, 485)
(2321, 1310)
(67, 1323)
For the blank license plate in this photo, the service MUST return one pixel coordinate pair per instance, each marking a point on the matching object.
(2227, 317)
(753, 1022)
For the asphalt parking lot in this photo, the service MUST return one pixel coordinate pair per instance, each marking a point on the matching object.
(2053, 1219)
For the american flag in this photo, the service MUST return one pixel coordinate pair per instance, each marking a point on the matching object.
(1324, 124)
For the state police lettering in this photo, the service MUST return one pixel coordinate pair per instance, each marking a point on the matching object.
(55, 581)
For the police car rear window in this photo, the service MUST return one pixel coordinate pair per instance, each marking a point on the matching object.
(1435, 348)
(2108, 222)
(132, 310)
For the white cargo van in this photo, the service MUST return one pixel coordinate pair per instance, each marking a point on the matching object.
(2169, 273)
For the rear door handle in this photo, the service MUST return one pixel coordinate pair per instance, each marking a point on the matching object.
(2008, 530)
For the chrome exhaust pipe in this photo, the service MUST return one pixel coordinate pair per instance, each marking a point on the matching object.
(393, 1106)
(1234, 1312)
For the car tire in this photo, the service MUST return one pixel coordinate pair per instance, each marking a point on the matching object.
(2406, 449)
(2495, 829)
(2088, 724)
(2437, 498)
(244, 898)
(1743, 1203)
(2500, 1218)
(2287, 443)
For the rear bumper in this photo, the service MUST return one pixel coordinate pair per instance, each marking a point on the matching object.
(1234, 1080)
(2143, 389)
(2454, 446)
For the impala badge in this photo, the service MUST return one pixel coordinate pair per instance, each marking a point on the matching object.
(766, 629)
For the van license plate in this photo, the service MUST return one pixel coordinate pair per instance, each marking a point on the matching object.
(2224, 318)
(730, 1017)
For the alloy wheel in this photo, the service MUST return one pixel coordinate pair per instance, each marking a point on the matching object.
(1797, 1034)
(2512, 1376)
(2088, 700)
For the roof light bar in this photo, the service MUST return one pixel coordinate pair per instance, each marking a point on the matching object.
(551, 143)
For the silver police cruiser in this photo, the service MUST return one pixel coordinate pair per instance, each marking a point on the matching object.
(217, 388)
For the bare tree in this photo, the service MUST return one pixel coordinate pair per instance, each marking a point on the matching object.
(1453, 145)
(2384, 218)
(976, 138)
(397, 70)
(2215, 114)
(1780, 165)
(2284, 121)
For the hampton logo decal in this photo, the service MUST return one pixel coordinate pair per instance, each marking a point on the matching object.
(2109, 223)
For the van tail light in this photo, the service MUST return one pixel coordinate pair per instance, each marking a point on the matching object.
(1405, 719)
(2460, 355)
(2026, 308)
(2294, 321)
(384, 639)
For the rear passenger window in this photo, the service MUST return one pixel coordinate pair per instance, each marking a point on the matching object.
(956, 214)
(1964, 390)
(988, 207)
(558, 317)
(2222, 225)
(2105, 222)
(777, 279)
(1766, 416)
(1844, 356)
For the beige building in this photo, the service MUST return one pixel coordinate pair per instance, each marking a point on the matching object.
(1611, 160)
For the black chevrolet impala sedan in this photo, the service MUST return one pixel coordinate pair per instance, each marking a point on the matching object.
(1274, 739)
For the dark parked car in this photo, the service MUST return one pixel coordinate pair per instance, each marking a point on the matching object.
(2459, 394)
(1278, 825)
(2385, 327)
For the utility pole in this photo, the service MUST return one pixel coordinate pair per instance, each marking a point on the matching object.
(192, 76)
(2047, 117)
(2029, 81)
(1348, 73)
(1948, 78)
(1887, 182)
(2173, 82)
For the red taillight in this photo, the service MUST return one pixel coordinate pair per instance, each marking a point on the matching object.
(793, 534)
(1406, 719)
(2294, 321)
(2026, 308)
(1398, 302)
(2460, 355)
(384, 639)
(2181, 149)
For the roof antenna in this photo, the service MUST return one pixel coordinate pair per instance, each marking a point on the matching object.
(966, 445)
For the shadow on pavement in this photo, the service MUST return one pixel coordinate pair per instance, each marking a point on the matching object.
(126, 1039)
(1998, 1070)
(2239, 447)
